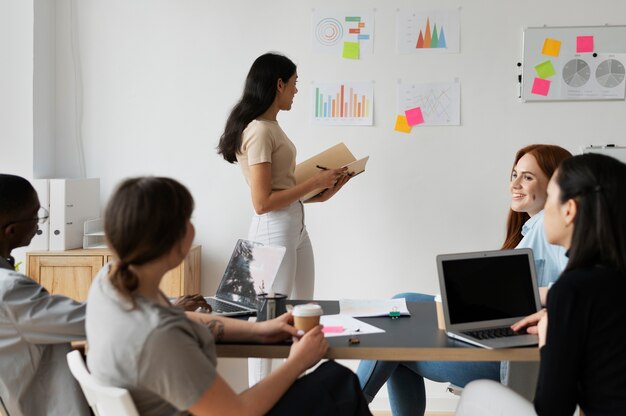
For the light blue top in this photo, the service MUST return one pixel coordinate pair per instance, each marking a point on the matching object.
(550, 259)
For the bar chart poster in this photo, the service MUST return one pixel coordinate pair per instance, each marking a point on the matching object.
(346, 35)
(428, 32)
(440, 102)
(343, 103)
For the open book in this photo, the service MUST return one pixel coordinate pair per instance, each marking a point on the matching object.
(334, 157)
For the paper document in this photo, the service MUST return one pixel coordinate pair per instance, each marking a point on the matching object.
(343, 325)
(335, 157)
(372, 307)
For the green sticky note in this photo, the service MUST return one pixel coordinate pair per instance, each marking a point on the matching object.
(545, 69)
(351, 50)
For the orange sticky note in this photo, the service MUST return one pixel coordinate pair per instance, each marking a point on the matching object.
(551, 47)
(541, 86)
(402, 125)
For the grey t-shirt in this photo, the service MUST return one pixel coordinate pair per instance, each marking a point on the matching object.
(164, 359)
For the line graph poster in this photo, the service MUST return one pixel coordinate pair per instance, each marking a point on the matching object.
(439, 102)
(348, 35)
(428, 32)
(343, 103)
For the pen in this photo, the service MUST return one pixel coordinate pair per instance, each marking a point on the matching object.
(321, 167)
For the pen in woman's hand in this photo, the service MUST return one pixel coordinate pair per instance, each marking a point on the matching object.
(321, 167)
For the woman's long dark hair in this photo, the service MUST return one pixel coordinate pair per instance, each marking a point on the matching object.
(258, 95)
(597, 183)
(143, 220)
(548, 158)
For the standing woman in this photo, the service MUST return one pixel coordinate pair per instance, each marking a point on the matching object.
(254, 139)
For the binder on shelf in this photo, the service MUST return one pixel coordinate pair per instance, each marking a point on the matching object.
(334, 157)
(41, 239)
(72, 202)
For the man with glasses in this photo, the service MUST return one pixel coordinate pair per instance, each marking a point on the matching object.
(35, 327)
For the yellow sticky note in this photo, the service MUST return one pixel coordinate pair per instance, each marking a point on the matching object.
(402, 125)
(551, 47)
(351, 50)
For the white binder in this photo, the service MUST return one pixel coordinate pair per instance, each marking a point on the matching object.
(72, 202)
(40, 240)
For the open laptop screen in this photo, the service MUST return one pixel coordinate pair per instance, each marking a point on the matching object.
(250, 271)
(487, 288)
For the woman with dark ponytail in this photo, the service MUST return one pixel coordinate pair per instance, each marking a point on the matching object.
(581, 341)
(166, 357)
(253, 138)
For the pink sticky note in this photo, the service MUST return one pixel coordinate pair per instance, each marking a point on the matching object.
(414, 116)
(584, 44)
(333, 329)
(541, 86)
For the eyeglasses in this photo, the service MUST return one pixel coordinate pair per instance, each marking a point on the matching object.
(41, 218)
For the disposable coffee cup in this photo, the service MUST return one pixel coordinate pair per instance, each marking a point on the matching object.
(307, 316)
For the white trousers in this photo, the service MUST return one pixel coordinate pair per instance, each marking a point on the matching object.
(488, 398)
(296, 275)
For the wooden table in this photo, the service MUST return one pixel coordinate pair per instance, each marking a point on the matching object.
(414, 338)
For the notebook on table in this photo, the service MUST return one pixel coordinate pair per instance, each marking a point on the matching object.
(250, 271)
(484, 293)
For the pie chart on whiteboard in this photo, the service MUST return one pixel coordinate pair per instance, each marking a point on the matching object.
(576, 73)
(610, 73)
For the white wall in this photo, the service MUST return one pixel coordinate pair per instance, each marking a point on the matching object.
(16, 87)
(157, 79)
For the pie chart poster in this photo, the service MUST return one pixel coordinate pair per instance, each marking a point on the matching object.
(574, 63)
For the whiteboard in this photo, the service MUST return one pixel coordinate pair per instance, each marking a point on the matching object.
(574, 63)
(618, 152)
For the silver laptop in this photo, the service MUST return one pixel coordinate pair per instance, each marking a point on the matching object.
(250, 271)
(484, 293)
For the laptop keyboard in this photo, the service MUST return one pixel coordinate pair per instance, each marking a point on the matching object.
(494, 333)
(219, 306)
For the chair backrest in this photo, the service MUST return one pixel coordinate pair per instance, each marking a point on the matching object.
(104, 400)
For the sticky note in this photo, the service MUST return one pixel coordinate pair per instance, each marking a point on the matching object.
(541, 86)
(584, 44)
(351, 50)
(545, 69)
(414, 116)
(333, 329)
(402, 125)
(551, 47)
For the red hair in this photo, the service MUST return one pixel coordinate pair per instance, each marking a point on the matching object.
(548, 157)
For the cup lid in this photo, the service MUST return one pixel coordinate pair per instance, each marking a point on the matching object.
(308, 309)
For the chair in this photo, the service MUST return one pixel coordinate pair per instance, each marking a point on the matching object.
(103, 400)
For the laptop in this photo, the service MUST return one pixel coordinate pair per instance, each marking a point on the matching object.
(484, 293)
(250, 271)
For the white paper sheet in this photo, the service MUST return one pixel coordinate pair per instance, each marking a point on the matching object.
(372, 307)
(343, 325)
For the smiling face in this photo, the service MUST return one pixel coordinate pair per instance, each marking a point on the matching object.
(528, 186)
(286, 92)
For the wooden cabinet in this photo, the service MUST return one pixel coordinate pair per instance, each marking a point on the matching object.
(71, 272)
